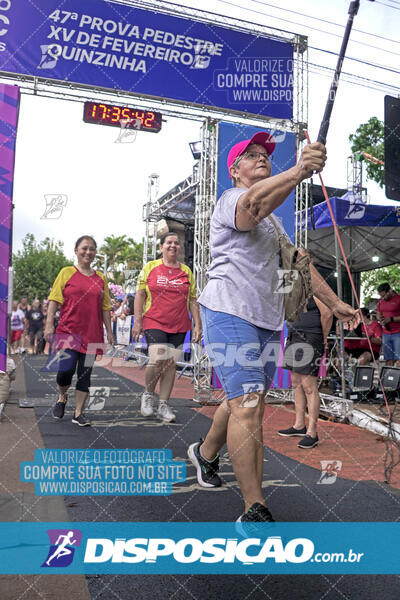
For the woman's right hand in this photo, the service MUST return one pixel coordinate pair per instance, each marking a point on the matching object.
(48, 332)
(137, 329)
(312, 159)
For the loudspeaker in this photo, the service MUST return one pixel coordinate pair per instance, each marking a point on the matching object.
(390, 378)
(363, 384)
(364, 378)
(392, 147)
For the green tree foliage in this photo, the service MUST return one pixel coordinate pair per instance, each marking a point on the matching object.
(36, 266)
(371, 279)
(124, 259)
(369, 137)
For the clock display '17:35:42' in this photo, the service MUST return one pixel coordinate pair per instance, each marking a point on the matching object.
(122, 116)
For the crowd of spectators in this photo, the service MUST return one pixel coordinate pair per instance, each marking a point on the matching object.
(27, 326)
(121, 308)
(383, 326)
(28, 322)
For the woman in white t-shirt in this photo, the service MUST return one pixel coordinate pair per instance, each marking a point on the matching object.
(243, 313)
(17, 327)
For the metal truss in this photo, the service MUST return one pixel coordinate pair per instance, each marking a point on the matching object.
(301, 116)
(150, 240)
(355, 177)
(301, 208)
(170, 205)
(206, 198)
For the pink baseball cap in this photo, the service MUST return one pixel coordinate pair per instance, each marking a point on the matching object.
(261, 137)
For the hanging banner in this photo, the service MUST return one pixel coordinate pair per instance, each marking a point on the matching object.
(9, 100)
(120, 47)
(124, 327)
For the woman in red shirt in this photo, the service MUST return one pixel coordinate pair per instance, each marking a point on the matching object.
(85, 304)
(165, 293)
(360, 348)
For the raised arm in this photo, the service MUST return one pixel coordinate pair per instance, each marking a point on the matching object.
(265, 196)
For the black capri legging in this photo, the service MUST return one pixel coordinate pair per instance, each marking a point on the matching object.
(71, 361)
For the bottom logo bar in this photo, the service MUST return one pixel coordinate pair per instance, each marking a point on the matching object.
(215, 548)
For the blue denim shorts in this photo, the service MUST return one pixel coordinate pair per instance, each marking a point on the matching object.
(243, 355)
(391, 346)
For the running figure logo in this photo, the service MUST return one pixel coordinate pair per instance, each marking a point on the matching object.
(330, 470)
(201, 58)
(62, 547)
(55, 204)
(50, 55)
(287, 277)
(357, 206)
(128, 132)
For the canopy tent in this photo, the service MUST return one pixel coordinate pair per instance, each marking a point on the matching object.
(366, 230)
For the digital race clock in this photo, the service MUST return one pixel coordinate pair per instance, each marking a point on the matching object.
(122, 116)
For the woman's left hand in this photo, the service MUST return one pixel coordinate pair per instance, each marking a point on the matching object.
(196, 334)
(110, 338)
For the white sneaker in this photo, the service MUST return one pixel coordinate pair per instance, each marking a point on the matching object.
(165, 413)
(146, 404)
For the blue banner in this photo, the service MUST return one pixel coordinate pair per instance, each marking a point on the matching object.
(284, 157)
(192, 548)
(120, 47)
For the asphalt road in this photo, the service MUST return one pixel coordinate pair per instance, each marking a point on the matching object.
(290, 487)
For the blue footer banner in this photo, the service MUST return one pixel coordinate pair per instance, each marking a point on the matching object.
(206, 548)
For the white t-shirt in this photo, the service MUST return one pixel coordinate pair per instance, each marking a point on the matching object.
(17, 319)
(243, 277)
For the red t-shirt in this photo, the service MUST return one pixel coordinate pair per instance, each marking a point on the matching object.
(83, 299)
(168, 291)
(390, 308)
(374, 329)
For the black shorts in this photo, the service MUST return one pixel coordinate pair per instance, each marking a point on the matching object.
(157, 336)
(33, 332)
(356, 352)
(303, 352)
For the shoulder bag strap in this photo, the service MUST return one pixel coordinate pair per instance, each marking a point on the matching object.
(271, 218)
